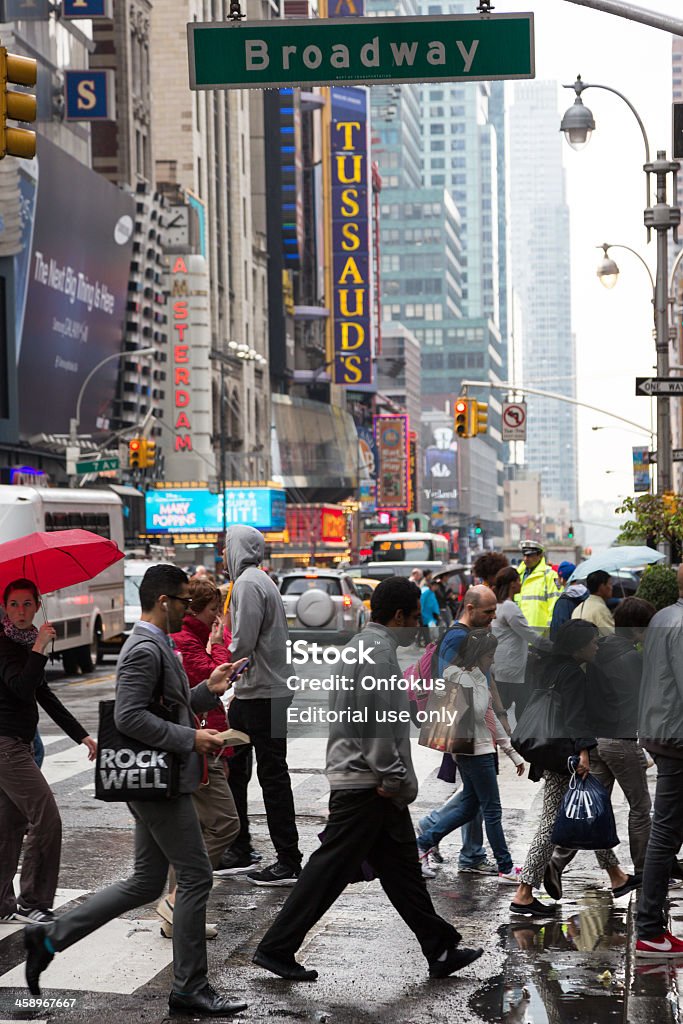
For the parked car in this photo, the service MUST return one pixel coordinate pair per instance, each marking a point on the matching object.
(322, 604)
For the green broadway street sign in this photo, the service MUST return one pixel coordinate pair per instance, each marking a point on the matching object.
(362, 51)
(97, 466)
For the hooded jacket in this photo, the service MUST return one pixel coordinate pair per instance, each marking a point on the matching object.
(660, 712)
(374, 752)
(259, 622)
(568, 600)
(538, 594)
(614, 688)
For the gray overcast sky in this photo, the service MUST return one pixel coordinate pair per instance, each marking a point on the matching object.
(606, 194)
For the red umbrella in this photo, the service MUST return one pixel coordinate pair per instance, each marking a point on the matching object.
(56, 560)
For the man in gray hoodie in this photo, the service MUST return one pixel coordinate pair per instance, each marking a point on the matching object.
(259, 708)
(372, 781)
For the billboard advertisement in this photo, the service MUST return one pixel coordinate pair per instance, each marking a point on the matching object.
(77, 282)
(351, 252)
(197, 510)
(393, 480)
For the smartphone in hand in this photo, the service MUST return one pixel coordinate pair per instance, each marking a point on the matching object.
(238, 672)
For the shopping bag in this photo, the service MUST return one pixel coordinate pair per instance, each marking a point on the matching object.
(585, 820)
(537, 737)
(450, 723)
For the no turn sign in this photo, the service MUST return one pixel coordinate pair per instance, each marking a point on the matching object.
(514, 421)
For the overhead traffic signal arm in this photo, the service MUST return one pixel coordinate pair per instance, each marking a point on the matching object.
(20, 106)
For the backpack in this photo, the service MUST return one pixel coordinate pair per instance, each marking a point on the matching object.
(422, 673)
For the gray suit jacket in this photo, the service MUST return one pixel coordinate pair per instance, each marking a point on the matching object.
(139, 670)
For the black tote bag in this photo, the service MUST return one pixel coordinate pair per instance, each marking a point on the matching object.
(127, 769)
(537, 737)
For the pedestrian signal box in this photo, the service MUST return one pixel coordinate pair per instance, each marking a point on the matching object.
(479, 421)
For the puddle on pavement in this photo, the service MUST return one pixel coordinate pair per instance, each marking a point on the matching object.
(567, 970)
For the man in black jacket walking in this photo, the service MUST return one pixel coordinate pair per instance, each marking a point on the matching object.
(166, 831)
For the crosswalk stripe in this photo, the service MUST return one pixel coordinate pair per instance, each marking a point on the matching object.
(67, 763)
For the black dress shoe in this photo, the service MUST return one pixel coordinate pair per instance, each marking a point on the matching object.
(289, 969)
(206, 1003)
(37, 956)
(455, 961)
(552, 881)
(632, 882)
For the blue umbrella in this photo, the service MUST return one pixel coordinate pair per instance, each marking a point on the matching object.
(625, 557)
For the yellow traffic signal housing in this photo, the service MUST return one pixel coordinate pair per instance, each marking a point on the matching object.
(150, 454)
(479, 417)
(669, 502)
(462, 417)
(20, 106)
(137, 452)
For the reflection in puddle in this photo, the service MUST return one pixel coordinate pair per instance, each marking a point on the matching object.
(560, 971)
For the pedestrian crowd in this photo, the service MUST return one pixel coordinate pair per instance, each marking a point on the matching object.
(201, 682)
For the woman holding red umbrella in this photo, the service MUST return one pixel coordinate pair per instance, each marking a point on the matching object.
(26, 800)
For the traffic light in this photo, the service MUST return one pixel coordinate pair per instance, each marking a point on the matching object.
(570, 532)
(479, 413)
(462, 417)
(20, 106)
(477, 528)
(669, 502)
(137, 452)
(150, 454)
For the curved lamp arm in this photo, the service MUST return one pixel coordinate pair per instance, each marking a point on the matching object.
(116, 355)
(617, 245)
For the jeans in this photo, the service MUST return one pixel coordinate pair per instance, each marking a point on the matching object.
(361, 826)
(260, 718)
(38, 749)
(472, 851)
(480, 790)
(666, 836)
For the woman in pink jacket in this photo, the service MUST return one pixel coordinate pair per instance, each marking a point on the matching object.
(202, 645)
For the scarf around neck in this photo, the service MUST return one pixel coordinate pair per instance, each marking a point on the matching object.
(25, 637)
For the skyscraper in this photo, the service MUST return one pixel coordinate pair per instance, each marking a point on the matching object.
(541, 277)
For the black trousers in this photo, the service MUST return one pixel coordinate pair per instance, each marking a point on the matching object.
(265, 721)
(666, 836)
(513, 693)
(362, 826)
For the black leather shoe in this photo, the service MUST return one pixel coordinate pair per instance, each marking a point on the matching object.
(455, 961)
(37, 956)
(552, 881)
(206, 1003)
(289, 969)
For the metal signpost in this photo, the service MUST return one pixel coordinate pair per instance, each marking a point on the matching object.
(361, 51)
(659, 386)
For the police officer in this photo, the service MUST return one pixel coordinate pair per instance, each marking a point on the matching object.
(539, 586)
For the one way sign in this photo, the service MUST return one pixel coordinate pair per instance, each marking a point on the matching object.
(659, 385)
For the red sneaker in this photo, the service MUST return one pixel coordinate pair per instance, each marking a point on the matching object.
(664, 945)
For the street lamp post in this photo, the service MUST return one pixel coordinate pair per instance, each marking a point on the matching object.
(578, 124)
(75, 421)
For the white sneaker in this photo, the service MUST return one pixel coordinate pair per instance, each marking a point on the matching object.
(426, 867)
(510, 877)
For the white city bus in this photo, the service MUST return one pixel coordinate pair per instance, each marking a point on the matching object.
(89, 612)
(401, 552)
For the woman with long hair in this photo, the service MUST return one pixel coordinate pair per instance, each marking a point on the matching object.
(514, 634)
(478, 770)
(576, 645)
(26, 800)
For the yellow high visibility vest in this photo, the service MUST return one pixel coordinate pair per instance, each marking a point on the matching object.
(538, 594)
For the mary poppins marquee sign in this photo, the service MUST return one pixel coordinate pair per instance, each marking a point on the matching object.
(360, 51)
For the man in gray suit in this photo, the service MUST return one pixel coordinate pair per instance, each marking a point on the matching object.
(167, 831)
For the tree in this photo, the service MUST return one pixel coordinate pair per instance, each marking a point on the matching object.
(659, 586)
(657, 519)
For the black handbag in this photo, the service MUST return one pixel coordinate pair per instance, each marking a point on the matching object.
(127, 769)
(537, 737)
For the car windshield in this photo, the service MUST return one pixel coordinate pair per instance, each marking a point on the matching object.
(300, 584)
(132, 590)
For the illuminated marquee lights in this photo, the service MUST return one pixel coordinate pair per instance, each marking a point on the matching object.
(181, 356)
(351, 237)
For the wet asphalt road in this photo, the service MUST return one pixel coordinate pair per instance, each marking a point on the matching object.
(371, 970)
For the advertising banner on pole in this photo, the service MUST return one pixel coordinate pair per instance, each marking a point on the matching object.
(641, 470)
(393, 482)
